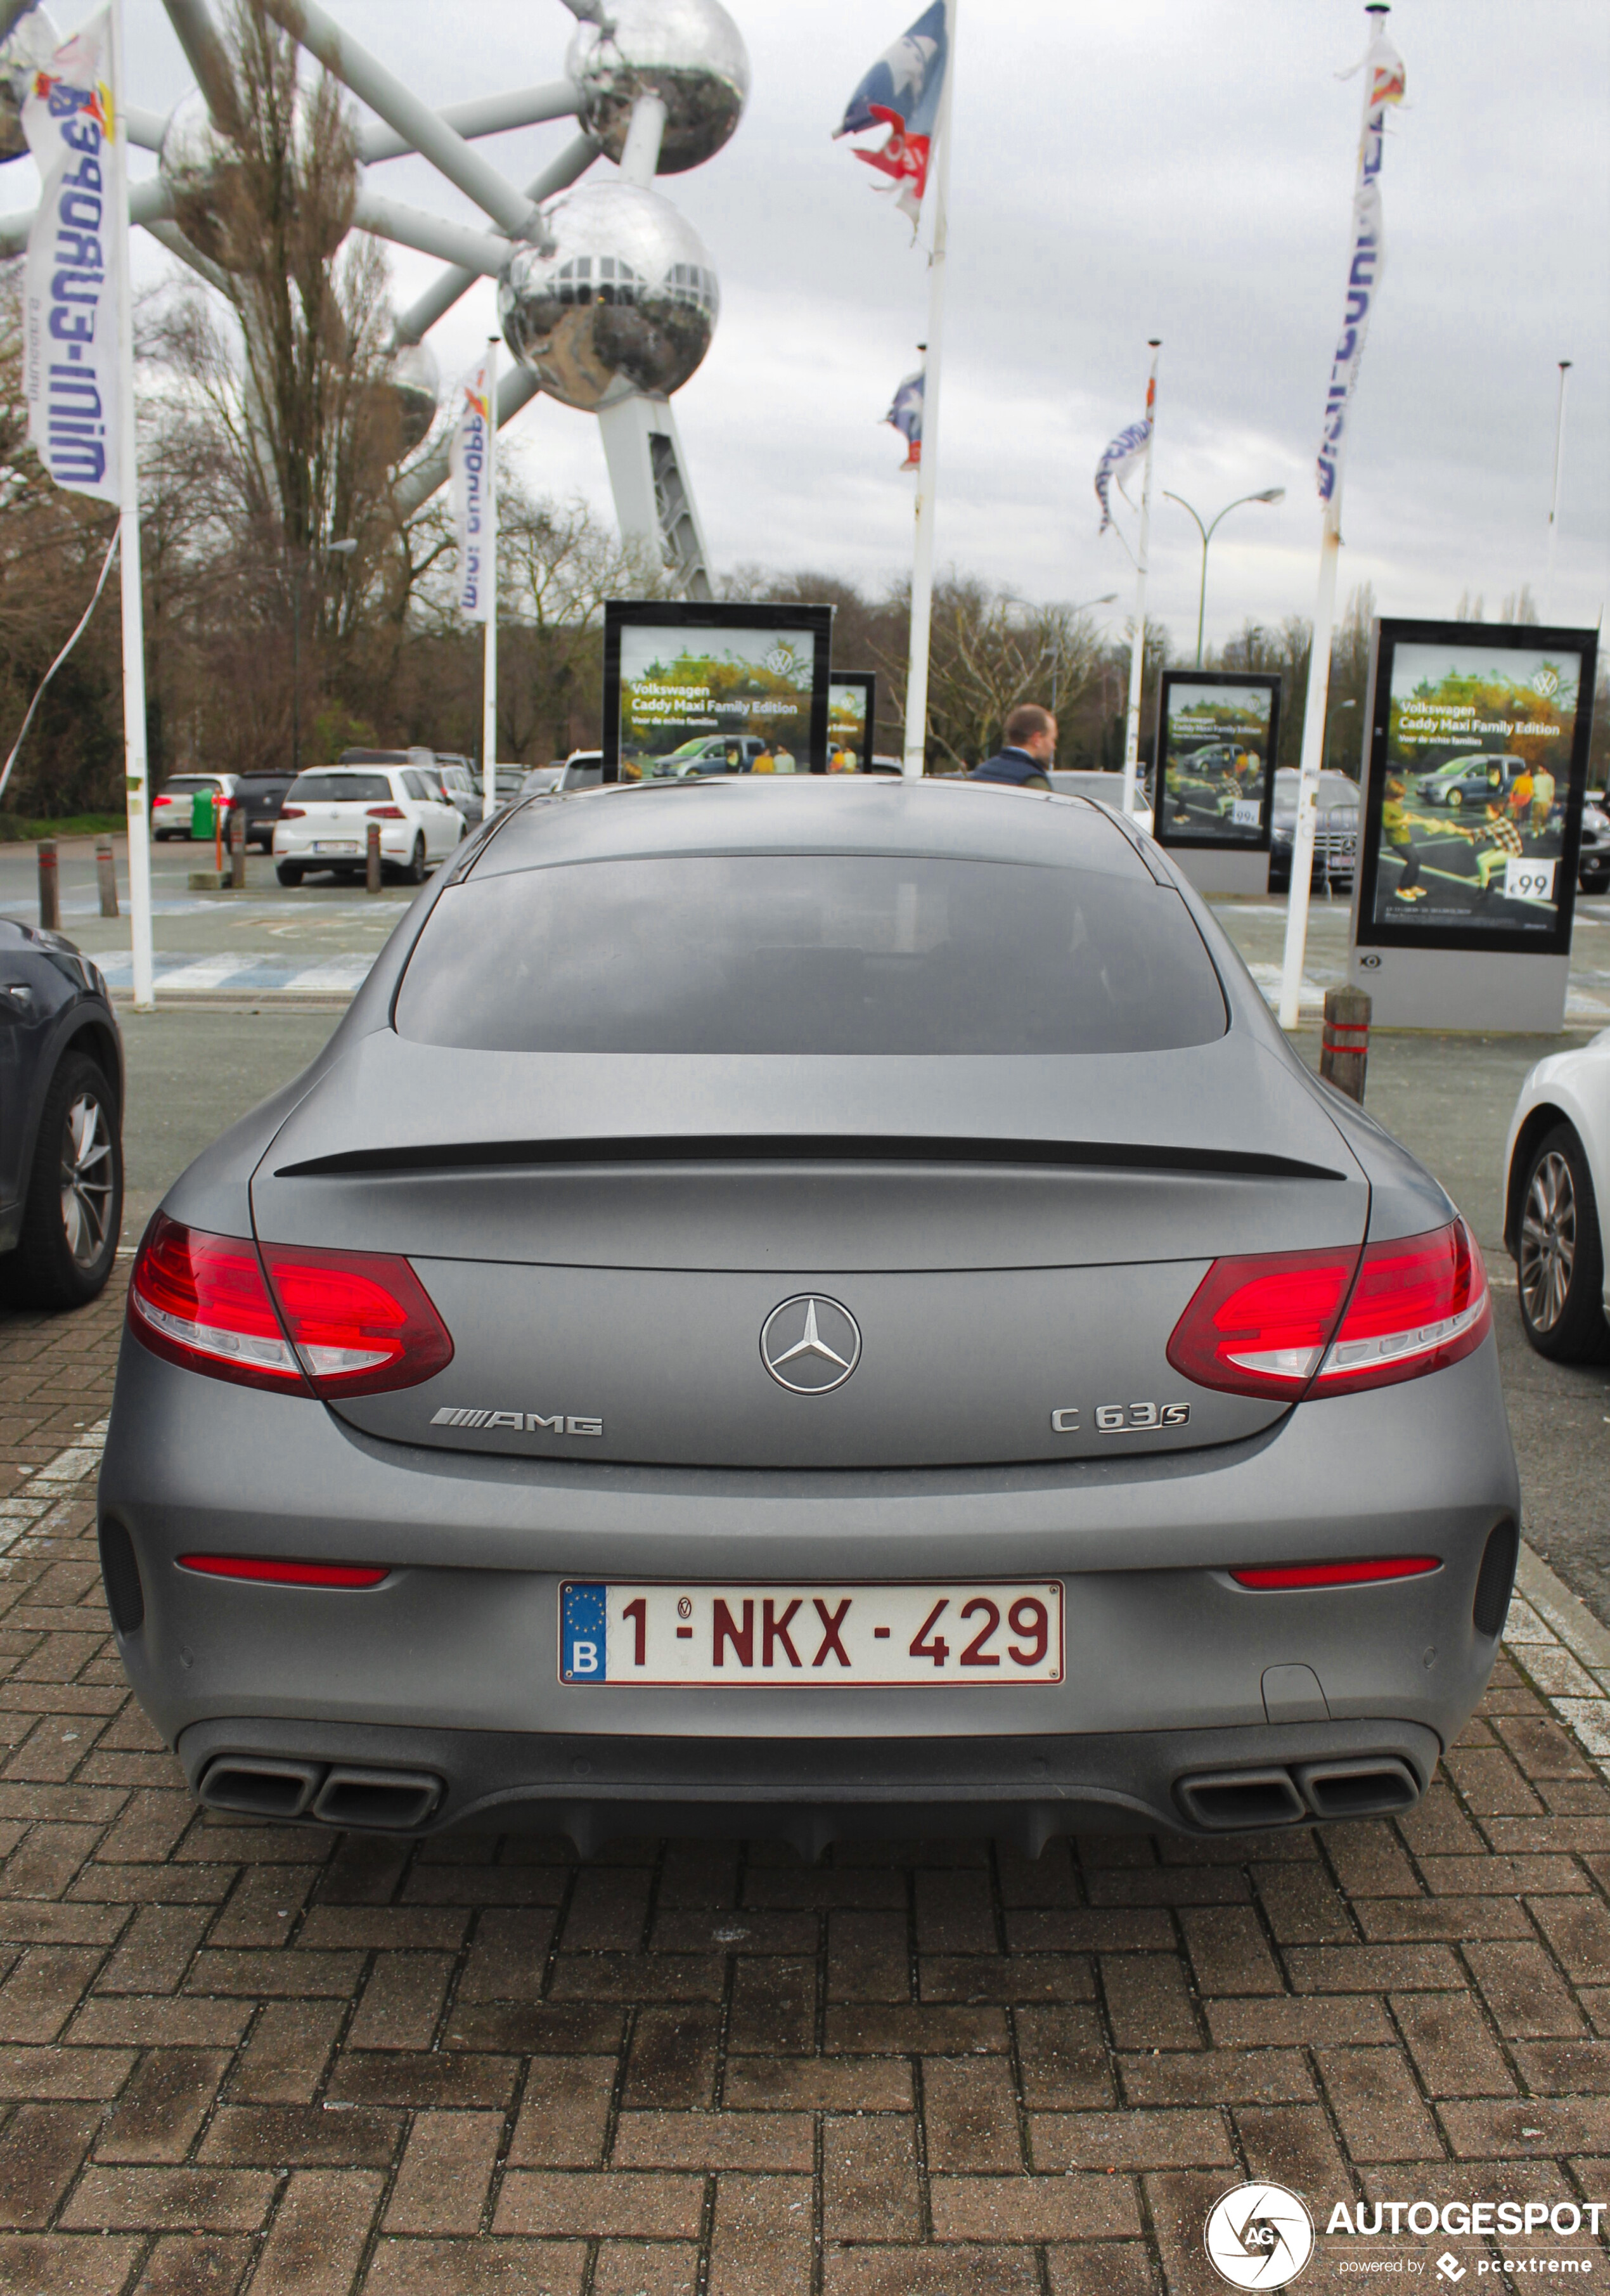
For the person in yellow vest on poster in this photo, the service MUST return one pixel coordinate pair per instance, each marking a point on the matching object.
(1542, 798)
(765, 763)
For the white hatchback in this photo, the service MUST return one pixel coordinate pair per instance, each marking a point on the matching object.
(324, 822)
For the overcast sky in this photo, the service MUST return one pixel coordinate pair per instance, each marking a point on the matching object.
(1175, 167)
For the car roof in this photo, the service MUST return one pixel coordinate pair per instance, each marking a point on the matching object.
(812, 814)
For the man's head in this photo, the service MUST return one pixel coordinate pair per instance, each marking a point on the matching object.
(1032, 728)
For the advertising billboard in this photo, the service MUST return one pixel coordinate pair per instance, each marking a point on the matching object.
(1478, 755)
(852, 714)
(1217, 731)
(698, 687)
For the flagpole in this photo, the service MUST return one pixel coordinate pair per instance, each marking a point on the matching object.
(922, 556)
(1319, 671)
(1131, 745)
(488, 700)
(136, 776)
(1554, 504)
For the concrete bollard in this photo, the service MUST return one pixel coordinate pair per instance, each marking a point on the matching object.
(49, 885)
(372, 859)
(106, 876)
(1345, 1046)
(237, 849)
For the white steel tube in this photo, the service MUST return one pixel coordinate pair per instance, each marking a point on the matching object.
(518, 386)
(428, 134)
(489, 700)
(1137, 650)
(927, 474)
(476, 250)
(205, 54)
(1553, 500)
(136, 791)
(640, 156)
(487, 115)
(437, 299)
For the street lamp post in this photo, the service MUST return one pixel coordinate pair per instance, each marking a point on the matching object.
(1107, 598)
(324, 550)
(1269, 494)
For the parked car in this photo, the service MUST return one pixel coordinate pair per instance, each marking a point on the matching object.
(61, 1122)
(1124, 1443)
(1556, 1176)
(171, 808)
(1469, 781)
(1593, 861)
(259, 796)
(324, 822)
(714, 754)
(583, 769)
(461, 788)
(505, 783)
(1336, 833)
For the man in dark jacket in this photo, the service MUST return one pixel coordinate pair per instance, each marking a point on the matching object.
(1028, 753)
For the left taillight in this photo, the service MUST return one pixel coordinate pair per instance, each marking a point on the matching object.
(1303, 1325)
(286, 1317)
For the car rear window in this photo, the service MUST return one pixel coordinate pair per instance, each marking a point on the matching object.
(810, 953)
(340, 789)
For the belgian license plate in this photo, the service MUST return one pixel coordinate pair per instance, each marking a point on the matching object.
(334, 845)
(669, 1635)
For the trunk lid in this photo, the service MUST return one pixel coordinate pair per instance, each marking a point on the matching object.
(607, 1238)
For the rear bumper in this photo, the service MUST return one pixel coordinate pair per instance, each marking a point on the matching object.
(454, 1660)
(807, 1791)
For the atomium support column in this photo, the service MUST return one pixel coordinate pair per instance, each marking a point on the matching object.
(653, 499)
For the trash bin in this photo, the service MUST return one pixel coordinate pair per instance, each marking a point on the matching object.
(201, 817)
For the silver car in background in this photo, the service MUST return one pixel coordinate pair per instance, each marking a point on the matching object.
(815, 1310)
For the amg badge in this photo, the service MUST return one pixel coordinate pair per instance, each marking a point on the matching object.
(519, 1423)
(1124, 1418)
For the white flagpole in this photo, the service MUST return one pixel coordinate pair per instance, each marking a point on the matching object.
(1319, 684)
(135, 777)
(489, 702)
(1554, 504)
(1132, 743)
(922, 556)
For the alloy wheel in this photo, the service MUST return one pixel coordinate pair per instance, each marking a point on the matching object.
(1547, 1241)
(87, 1178)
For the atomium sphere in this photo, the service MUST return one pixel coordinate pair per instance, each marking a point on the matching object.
(414, 386)
(688, 53)
(32, 44)
(200, 168)
(626, 298)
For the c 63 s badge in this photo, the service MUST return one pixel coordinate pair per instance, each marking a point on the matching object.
(1123, 1418)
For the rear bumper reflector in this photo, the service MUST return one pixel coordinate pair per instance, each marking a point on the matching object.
(1369, 1573)
(267, 1570)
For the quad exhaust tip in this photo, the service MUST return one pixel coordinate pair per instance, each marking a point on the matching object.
(385, 1801)
(1236, 1801)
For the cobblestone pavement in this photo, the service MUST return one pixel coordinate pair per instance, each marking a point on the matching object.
(238, 2055)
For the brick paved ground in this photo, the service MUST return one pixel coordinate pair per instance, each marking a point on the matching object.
(238, 2055)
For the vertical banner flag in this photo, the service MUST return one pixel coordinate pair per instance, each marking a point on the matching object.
(906, 415)
(901, 93)
(1124, 452)
(1385, 68)
(468, 473)
(70, 368)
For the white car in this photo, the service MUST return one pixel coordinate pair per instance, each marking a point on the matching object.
(170, 807)
(1557, 1174)
(324, 822)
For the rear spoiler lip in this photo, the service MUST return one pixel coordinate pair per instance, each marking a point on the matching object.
(811, 1147)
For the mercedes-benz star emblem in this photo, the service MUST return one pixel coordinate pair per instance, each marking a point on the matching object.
(810, 1344)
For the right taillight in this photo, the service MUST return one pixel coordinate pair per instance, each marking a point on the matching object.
(286, 1317)
(387, 813)
(1421, 1302)
(1331, 1323)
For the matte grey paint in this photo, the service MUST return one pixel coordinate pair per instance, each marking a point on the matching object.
(1081, 1269)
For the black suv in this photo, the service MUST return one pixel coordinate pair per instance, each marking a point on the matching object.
(61, 1122)
(260, 796)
